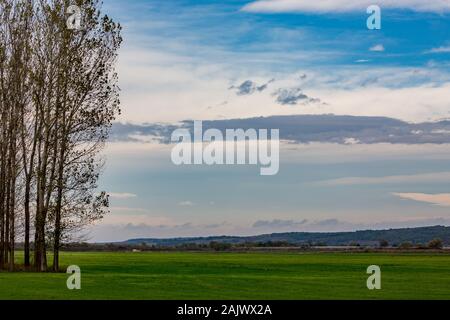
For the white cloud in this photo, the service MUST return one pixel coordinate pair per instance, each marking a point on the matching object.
(178, 80)
(415, 178)
(186, 204)
(377, 48)
(418, 94)
(121, 216)
(122, 195)
(442, 199)
(326, 6)
(351, 141)
(414, 104)
(439, 50)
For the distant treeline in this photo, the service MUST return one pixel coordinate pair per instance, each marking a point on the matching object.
(393, 237)
(435, 244)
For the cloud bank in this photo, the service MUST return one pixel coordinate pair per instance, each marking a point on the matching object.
(327, 128)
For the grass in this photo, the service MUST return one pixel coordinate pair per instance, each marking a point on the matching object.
(237, 276)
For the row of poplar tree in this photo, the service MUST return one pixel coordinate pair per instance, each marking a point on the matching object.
(58, 99)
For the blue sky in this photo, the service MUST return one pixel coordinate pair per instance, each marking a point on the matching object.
(223, 26)
(179, 61)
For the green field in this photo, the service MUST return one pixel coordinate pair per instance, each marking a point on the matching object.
(237, 276)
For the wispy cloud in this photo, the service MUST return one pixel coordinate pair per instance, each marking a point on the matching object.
(129, 210)
(121, 216)
(122, 195)
(415, 178)
(186, 204)
(278, 223)
(442, 199)
(377, 48)
(439, 50)
(308, 6)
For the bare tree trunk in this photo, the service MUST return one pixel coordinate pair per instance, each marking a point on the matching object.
(26, 247)
(58, 207)
(2, 199)
(12, 235)
(28, 172)
(7, 212)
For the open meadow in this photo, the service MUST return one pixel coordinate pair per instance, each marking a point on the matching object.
(181, 275)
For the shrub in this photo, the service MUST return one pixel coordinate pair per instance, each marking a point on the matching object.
(405, 245)
(220, 246)
(435, 244)
(384, 243)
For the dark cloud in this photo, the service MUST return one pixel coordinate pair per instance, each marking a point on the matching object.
(249, 87)
(293, 96)
(131, 132)
(309, 128)
(264, 86)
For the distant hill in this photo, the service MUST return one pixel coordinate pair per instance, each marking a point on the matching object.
(366, 237)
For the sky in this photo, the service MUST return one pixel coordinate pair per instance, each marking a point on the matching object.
(210, 60)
